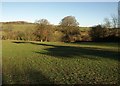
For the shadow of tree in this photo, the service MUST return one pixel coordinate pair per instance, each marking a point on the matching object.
(33, 76)
(19, 42)
(30, 76)
(74, 51)
(36, 77)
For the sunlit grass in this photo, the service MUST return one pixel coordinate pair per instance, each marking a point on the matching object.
(59, 63)
(19, 27)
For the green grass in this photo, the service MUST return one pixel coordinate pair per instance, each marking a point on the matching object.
(19, 27)
(23, 27)
(59, 63)
(85, 28)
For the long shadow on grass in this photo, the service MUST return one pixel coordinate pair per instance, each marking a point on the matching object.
(72, 51)
(30, 76)
(36, 77)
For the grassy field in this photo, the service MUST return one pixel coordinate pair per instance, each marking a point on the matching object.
(18, 27)
(23, 27)
(59, 63)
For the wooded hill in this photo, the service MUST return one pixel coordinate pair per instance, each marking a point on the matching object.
(68, 30)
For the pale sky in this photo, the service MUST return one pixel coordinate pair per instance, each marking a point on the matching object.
(86, 13)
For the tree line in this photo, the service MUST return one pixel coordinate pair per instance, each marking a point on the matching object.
(68, 30)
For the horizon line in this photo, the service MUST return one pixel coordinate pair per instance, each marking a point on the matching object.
(34, 22)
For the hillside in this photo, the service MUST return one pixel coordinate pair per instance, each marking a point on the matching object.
(18, 27)
(22, 25)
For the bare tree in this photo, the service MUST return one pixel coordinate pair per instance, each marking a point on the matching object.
(107, 23)
(114, 21)
(119, 14)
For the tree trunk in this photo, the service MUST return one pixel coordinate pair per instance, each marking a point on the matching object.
(41, 40)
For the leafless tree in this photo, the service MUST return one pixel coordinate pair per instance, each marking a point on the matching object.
(114, 21)
(107, 23)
